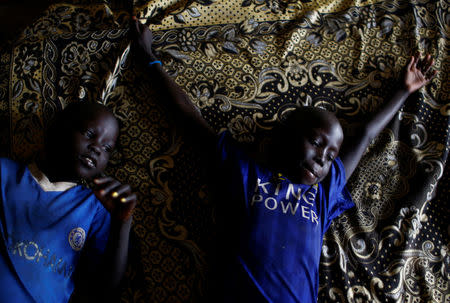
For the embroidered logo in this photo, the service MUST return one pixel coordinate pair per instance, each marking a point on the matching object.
(76, 238)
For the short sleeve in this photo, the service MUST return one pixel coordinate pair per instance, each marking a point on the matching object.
(228, 150)
(336, 192)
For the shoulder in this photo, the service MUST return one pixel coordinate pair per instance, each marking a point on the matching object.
(9, 167)
(229, 147)
(338, 165)
(7, 162)
(336, 175)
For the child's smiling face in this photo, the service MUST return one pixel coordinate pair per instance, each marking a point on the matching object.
(313, 143)
(92, 143)
(81, 141)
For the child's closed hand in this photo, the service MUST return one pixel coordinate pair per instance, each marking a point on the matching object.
(142, 38)
(116, 197)
(418, 72)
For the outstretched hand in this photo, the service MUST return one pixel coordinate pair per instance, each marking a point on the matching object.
(418, 72)
(117, 198)
(142, 39)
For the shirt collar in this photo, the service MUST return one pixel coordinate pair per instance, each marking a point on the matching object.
(45, 183)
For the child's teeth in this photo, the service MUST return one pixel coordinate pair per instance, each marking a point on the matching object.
(89, 161)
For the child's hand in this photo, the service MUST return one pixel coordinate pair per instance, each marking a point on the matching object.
(117, 198)
(142, 38)
(418, 72)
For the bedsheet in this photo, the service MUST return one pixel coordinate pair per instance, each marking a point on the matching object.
(244, 64)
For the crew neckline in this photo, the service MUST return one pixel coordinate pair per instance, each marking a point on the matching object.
(45, 183)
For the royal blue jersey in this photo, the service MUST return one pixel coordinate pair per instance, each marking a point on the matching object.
(281, 227)
(42, 234)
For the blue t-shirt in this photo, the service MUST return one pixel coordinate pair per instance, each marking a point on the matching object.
(42, 234)
(282, 225)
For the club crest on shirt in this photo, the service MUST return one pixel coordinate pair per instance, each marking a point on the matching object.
(77, 236)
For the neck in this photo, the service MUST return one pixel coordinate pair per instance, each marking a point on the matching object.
(54, 172)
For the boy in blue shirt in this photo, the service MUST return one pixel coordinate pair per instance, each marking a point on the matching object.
(55, 233)
(283, 201)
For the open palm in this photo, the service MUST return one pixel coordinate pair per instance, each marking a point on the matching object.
(418, 72)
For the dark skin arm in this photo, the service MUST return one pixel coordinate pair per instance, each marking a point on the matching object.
(120, 202)
(418, 73)
(179, 102)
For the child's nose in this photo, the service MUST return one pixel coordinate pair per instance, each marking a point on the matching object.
(95, 148)
(320, 157)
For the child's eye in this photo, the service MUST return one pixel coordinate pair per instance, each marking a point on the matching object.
(108, 148)
(314, 142)
(89, 134)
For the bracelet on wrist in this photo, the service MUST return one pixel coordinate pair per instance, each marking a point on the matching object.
(154, 62)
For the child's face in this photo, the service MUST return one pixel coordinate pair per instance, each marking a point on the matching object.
(312, 151)
(92, 142)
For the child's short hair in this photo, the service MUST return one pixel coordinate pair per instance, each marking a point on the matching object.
(301, 114)
(70, 118)
(300, 117)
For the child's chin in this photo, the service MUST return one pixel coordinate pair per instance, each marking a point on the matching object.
(86, 174)
(298, 179)
(302, 179)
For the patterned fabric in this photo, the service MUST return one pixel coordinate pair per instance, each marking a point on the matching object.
(245, 63)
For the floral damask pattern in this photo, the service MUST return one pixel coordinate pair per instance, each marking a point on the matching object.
(244, 69)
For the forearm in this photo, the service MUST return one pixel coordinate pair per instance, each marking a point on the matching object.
(116, 254)
(355, 146)
(381, 119)
(176, 99)
(418, 73)
(173, 96)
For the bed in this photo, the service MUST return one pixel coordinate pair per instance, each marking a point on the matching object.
(244, 64)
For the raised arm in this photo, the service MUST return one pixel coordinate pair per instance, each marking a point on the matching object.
(177, 100)
(417, 74)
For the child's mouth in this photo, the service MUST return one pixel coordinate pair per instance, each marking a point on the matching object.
(310, 172)
(88, 161)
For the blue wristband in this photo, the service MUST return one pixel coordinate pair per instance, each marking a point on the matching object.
(155, 62)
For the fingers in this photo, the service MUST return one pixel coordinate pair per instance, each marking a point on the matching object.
(411, 62)
(424, 65)
(428, 62)
(138, 25)
(430, 75)
(106, 184)
(128, 208)
(122, 191)
(416, 59)
(134, 25)
(111, 188)
(128, 198)
(116, 197)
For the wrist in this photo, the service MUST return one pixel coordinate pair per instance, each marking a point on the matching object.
(404, 89)
(120, 224)
(150, 57)
(152, 63)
